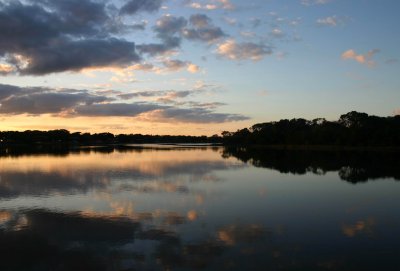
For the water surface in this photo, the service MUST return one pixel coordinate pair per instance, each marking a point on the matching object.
(208, 208)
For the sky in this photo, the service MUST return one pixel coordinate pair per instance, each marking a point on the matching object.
(194, 67)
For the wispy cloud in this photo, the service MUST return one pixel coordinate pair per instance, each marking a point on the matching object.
(332, 21)
(314, 2)
(164, 105)
(193, 115)
(365, 59)
(211, 5)
(197, 5)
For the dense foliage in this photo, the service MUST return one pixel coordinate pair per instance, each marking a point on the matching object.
(352, 129)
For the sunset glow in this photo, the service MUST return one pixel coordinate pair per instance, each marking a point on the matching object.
(193, 67)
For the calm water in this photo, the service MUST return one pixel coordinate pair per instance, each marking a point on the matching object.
(179, 208)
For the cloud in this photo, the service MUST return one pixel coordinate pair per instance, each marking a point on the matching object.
(42, 37)
(154, 49)
(142, 67)
(161, 95)
(167, 29)
(206, 105)
(255, 22)
(156, 112)
(200, 20)
(171, 29)
(331, 21)
(195, 115)
(277, 33)
(169, 25)
(127, 96)
(396, 112)
(197, 5)
(139, 26)
(134, 6)
(193, 68)
(177, 65)
(203, 29)
(15, 100)
(230, 21)
(115, 109)
(314, 2)
(70, 55)
(163, 105)
(226, 4)
(243, 51)
(211, 5)
(174, 64)
(6, 69)
(365, 59)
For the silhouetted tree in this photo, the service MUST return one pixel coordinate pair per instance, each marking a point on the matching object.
(352, 129)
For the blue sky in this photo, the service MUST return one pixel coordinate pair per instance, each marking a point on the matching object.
(194, 67)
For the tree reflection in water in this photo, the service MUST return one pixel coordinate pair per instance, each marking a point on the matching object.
(352, 166)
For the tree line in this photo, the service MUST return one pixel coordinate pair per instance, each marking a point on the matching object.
(64, 137)
(352, 129)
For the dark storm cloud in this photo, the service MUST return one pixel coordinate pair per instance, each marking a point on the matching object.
(41, 37)
(133, 6)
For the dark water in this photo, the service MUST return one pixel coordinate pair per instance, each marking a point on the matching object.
(179, 208)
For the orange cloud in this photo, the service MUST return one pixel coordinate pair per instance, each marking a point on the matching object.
(365, 59)
(6, 69)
